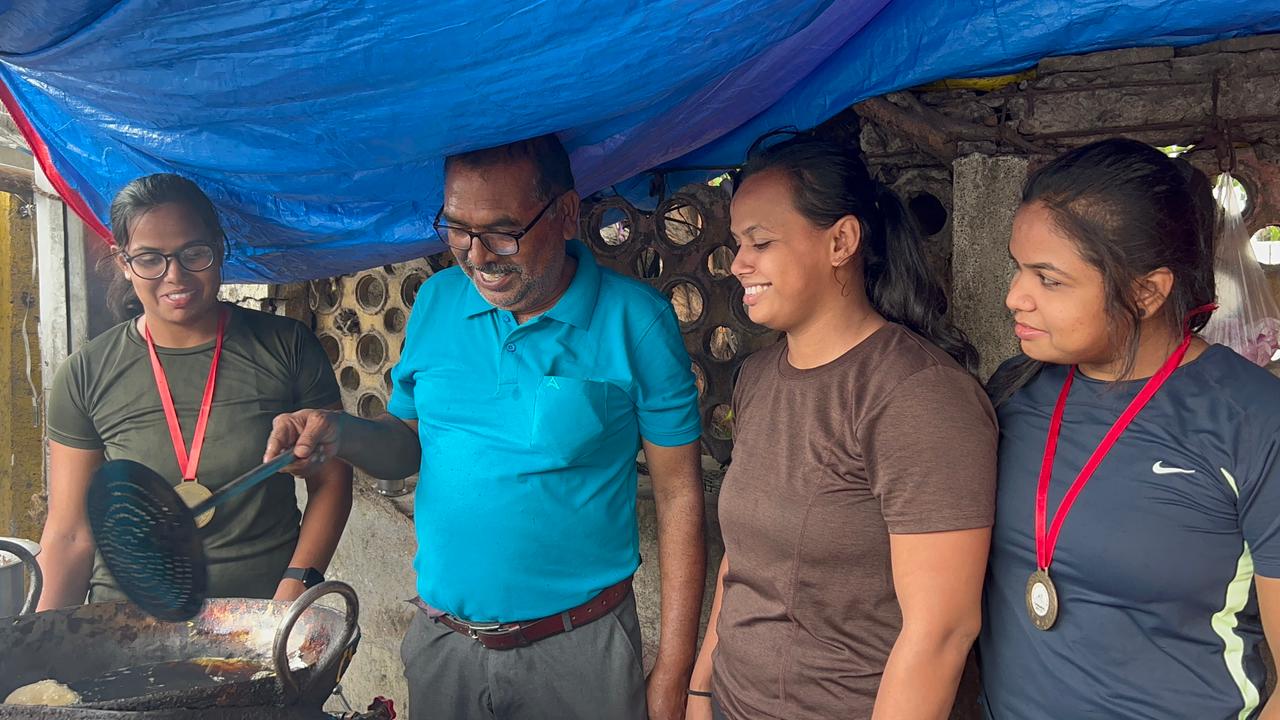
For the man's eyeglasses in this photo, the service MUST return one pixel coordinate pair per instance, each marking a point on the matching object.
(153, 265)
(497, 242)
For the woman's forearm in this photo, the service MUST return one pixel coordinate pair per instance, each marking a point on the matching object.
(325, 517)
(66, 543)
(67, 564)
(701, 679)
(698, 707)
(922, 674)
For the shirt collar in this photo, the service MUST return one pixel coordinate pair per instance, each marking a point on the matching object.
(577, 304)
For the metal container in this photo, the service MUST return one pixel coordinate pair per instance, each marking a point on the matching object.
(245, 653)
(17, 559)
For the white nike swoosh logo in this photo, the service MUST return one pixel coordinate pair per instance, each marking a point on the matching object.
(1160, 469)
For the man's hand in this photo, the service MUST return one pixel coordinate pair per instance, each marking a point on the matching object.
(666, 694)
(385, 447)
(313, 435)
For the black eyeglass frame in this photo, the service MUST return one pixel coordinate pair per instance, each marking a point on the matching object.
(443, 228)
(169, 258)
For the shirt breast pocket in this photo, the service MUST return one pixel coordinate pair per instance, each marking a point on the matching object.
(569, 417)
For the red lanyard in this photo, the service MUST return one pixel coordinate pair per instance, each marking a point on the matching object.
(1045, 543)
(187, 465)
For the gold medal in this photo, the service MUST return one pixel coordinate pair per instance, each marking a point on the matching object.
(193, 493)
(1042, 600)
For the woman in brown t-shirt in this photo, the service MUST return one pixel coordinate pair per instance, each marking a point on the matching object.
(857, 511)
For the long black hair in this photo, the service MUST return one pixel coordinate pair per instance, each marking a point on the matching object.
(1130, 210)
(830, 181)
(137, 198)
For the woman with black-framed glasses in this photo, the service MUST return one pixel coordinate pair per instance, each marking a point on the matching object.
(152, 265)
(188, 386)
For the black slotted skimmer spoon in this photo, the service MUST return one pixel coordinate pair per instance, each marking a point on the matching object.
(147, 534)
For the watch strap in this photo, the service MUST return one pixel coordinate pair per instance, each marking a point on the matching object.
(310, 577)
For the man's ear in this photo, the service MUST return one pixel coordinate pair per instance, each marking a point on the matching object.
(569, 205)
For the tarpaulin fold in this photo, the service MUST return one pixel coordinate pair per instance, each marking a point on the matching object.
(319, 128)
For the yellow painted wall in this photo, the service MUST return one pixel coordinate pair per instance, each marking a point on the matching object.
(22, 502)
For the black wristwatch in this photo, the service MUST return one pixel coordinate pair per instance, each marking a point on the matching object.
(310, 577)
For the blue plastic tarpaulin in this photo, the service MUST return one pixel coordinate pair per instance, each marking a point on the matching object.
(319, 127)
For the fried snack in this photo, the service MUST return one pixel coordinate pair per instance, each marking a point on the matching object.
(44, 692)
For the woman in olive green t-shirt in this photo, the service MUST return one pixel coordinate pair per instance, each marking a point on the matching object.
(106, 404)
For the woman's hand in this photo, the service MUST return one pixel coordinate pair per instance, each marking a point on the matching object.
(697, 708)
(289, 589)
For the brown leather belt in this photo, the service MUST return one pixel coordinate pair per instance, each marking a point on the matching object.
(505, 636)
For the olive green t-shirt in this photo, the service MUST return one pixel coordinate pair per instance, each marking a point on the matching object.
(104, 397)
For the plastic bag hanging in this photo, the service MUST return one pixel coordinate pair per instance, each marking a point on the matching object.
(1248, 316)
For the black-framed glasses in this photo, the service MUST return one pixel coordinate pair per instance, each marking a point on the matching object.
(497, 242)
(152, 265)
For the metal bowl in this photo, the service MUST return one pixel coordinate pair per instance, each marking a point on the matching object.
(282, 654)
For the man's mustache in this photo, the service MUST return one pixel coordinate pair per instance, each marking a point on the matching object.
(492, 268)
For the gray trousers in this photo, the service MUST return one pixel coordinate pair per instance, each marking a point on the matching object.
(593, 672)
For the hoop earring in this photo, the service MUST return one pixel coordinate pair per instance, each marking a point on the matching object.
(844, 288)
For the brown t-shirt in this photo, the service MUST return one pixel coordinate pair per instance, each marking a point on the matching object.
(891, 437)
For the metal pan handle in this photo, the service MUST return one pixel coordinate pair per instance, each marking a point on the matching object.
(37, 577)
(337, 648)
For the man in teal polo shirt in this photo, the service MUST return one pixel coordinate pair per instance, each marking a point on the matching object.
(529, 380)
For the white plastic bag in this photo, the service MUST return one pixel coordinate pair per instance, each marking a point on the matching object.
(1248, 317)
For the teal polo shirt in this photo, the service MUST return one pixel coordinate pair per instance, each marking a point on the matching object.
(526, 501)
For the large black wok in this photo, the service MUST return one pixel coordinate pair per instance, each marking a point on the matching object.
(281, 654)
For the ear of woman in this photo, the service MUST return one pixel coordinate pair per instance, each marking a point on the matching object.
(846, 240)
(1151, 291)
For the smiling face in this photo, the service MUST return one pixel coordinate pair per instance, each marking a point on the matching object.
(1058, 299)
(789, 268)
(504, 197)
(180, 297)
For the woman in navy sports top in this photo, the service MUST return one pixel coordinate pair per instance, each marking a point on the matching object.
(1135, 551)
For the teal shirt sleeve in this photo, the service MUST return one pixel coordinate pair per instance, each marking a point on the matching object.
(665, 395)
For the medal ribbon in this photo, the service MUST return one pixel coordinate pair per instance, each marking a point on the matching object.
(1046, 542)
(187, 465)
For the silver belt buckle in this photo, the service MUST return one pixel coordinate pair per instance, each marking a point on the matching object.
(474, 629)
